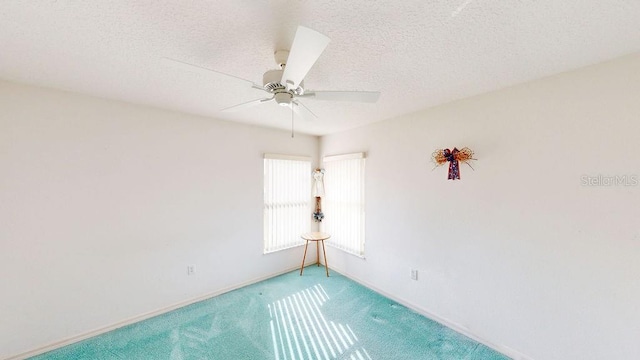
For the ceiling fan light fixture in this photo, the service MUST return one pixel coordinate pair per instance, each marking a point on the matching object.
(283, 98)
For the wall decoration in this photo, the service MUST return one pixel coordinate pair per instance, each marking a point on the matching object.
(317, 214)
(318, 186)
(318, 192)
(453, 157)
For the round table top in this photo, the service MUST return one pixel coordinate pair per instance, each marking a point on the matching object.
(315, 236)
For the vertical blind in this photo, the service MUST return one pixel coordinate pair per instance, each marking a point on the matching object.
(344, 202)
(287, 194)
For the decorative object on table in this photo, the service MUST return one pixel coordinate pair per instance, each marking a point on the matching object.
(453, 157)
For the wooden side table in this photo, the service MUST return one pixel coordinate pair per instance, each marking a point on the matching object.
(317, 237)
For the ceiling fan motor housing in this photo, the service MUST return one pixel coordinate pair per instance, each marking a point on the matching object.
(271, 83)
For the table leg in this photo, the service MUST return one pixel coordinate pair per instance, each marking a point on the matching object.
(326, 264)
(318, 253)
(304, 257)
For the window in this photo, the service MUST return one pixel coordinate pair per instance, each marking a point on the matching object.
(287, 195)
(343, 204)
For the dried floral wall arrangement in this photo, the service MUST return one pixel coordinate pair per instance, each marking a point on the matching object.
(453, 157)
(318, 215)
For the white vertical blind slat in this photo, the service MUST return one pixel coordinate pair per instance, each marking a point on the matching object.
(344, 203)
(287, 194)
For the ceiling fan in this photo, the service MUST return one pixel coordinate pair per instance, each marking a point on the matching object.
(285, 86)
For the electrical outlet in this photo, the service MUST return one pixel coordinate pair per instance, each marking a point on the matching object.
(414, 274)
(191, 269)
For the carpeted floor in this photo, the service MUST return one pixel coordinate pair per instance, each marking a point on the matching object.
(287, 317)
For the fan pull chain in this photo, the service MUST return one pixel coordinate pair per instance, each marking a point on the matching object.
(292, 105)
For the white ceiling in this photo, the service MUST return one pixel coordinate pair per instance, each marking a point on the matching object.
(417, 53)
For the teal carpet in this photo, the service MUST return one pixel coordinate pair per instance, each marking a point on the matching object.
(289, 317)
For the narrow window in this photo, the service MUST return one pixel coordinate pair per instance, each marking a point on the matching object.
(287, 194)
(344, 202)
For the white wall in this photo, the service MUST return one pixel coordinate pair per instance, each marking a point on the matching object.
(103, 205)
(518, 252)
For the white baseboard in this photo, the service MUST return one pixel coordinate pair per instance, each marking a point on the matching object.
(134, 319)
(513, 354)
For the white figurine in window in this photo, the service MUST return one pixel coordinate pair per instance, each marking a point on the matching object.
(318, 187)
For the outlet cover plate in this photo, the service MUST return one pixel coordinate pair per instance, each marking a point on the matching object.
(191, 269)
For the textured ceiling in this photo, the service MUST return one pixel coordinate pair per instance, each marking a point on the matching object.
(416, 53)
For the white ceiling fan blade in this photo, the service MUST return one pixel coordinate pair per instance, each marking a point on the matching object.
(185, 65)
(303, 111)
(307, 47)
(355, 96)
(246, 105)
